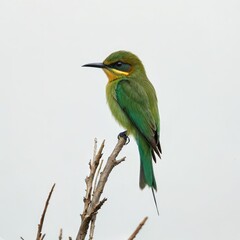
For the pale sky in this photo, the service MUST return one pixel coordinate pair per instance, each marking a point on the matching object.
(51, 110)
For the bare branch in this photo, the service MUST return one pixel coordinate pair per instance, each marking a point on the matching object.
(93, 164)
(96, 177)
(40, 225)
(60, 234)
(92, 201)
(95, 148)
(93, 220)
(138, 228)
(43, 236)
(92, 227)
(111, 163)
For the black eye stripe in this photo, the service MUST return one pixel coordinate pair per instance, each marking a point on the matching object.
(117, 64)
(121, 66)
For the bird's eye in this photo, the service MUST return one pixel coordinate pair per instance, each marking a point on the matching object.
(119, 64)
(125, 67)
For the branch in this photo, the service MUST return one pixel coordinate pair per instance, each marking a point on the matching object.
(40, 225)
(91, 200)
(60, 234)
(138, 228)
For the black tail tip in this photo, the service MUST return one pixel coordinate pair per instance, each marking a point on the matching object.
(155, 201)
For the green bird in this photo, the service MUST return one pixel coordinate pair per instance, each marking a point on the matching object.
(133, 102)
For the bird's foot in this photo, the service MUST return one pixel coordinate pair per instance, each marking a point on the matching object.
(125, 136)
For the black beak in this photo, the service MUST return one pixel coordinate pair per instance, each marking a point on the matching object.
(96, 65)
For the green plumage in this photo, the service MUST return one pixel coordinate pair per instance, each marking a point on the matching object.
(133, 102)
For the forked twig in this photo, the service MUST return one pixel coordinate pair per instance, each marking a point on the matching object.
(92, 202)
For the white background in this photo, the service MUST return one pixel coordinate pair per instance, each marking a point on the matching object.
(51, 110)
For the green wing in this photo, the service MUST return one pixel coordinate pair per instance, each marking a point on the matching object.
(134, 99)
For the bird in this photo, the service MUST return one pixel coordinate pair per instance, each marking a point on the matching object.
(133, 102)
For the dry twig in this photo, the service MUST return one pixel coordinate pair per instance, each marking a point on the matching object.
(138, 229)
(60, 234)
(95, 183)
(40, 225)
(91, 200)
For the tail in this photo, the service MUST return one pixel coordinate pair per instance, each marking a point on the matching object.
(155, 201)
(146, 168)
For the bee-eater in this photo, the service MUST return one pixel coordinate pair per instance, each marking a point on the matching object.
(133, 102)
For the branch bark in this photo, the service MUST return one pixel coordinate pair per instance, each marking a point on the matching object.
(134, 234)
(41, 236)
(91, 200)
(60, 234)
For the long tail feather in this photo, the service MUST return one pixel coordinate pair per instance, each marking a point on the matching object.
(146, 167)
(155, 201)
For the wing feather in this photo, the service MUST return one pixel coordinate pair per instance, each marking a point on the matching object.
(134, 101)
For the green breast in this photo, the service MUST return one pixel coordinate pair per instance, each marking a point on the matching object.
(116, 110)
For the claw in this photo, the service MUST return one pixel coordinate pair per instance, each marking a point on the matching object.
(125, 136)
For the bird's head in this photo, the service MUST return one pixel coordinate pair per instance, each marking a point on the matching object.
(120, 64)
